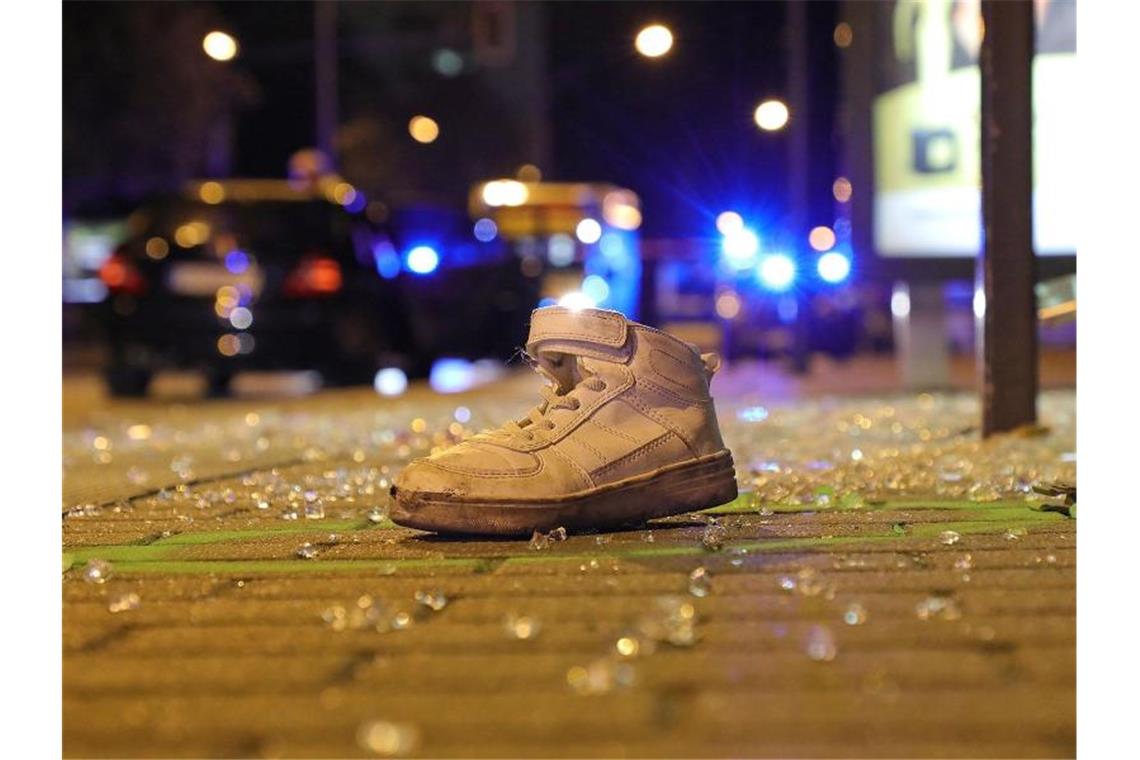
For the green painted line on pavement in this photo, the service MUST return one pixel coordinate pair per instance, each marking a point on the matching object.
(165, 555)
(199, 538)
(294, 566)
(743, 504)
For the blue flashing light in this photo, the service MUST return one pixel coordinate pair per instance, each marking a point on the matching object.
(833, 267)
(237, 261)
(387, 261)
(357, 204)
(740, 247)
(777, 272)
(486, 230)
(423, 259)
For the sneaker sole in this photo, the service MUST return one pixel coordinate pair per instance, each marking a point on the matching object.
(686, 487)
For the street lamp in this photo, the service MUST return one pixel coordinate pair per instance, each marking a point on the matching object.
(423, 129)
(771, 115)
(220, 46)
(654, 41)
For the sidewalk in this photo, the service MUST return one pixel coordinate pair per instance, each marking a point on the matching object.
(884, 588)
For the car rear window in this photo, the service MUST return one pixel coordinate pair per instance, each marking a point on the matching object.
(268, 229)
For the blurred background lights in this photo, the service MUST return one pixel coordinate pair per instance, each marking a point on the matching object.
(485, 230)
(619, 209)
(777, 272)
(237, 261)
(344, 193)
(228, 345)
(241, 318)
(423, 259)
(390, 381)
(833, 267)
(529, 173)
(843, 34)
(157, 248)
(728, 305)
(841, 189)
(654, 41)
(821, 238)
(740, 247)
(505, 192)
(451, 375)
(576, 300)
(728, 222)
(900, 300)
(596, 288)
(423, 129)
(589, 231)
(560, 249)
(191, 234)
(220, 46)
(212, 192)
(771, 115)
(447, 62)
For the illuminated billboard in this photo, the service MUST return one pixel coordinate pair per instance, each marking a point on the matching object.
(926, 121)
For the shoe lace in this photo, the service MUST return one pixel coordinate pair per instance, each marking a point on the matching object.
(553, 397)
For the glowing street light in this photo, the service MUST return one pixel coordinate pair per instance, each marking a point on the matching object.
(654, 41)
(771, 115)
(423, 129)
(220, 46)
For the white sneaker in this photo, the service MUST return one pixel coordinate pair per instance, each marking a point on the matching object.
(625, 432)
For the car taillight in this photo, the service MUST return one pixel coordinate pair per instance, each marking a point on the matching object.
(315, 276)
(120, 275)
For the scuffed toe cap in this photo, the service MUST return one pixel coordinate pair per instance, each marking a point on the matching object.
(421, 476)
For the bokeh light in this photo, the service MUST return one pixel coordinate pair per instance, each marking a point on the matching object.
(505, 192)
(777, 272)
(843, 34)
(729, 222)
(654, 41)
(423, 129)
(485, 230)
(212, 192)
(833, 267)
(728, 305)
(588, 231)
(447, 62)
(157, 248)
(740, 247)
(771, 115)
(390, 381)
(841, 189)
(596, 288)
(423, 259)
(220, 46)
(821, 238)
(576, 300)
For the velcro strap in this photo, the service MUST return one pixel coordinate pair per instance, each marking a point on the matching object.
(599, 333)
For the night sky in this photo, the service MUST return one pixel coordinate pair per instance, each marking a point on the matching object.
(678, 130)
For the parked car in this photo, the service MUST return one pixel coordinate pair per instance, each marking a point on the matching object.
(252, 274)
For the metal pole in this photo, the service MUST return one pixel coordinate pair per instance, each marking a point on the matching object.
(798, 167)
(325, 54)
(1006, 267)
